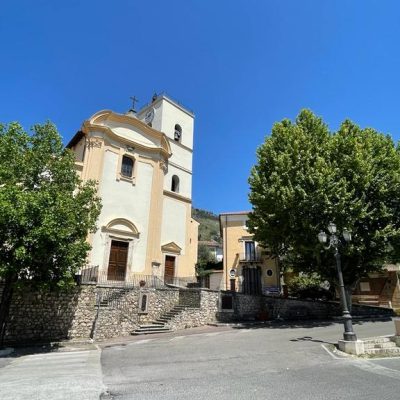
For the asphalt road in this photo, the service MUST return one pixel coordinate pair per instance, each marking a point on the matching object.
(281, 361)
(285, 362)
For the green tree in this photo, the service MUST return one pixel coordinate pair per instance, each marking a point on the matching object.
(46, 212)
(305, 177)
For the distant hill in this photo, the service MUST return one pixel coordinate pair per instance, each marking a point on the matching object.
(209, 224)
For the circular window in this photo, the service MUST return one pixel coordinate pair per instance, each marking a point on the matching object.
(269, 272)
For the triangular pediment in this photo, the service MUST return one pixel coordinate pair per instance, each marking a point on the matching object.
(171, 247)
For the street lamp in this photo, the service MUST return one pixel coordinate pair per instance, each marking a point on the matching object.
(335, 242)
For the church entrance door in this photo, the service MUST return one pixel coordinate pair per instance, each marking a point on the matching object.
(118, 260)
(169, 271)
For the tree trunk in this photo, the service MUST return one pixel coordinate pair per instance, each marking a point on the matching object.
(5, 304)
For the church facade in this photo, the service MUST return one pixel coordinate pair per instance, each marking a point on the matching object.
(142, 162)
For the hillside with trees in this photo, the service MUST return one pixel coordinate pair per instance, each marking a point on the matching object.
(208, 231)
(209, 225)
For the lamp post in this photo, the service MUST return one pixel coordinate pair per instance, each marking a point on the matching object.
(335, 242)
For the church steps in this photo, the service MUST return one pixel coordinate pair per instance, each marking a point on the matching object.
(160, 325)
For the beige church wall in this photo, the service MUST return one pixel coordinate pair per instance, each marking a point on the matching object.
(173, 226)
(94, 157)
(133, 203)
(170, 116)
(130, 133)
(157, 119)
(185, 181)
(181, 156)
(189, 259)
(79, 150)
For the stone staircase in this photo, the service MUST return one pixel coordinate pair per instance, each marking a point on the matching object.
(380, 346)
(160, 325)
(112, 297)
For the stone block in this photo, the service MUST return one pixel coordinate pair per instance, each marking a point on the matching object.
(355, 347)
(397, 326)
(396, 339)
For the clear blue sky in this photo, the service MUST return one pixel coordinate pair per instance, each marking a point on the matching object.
(240, 65)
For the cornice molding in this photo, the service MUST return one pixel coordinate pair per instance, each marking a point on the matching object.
(177, 196)
(179, 167)
(97, 123)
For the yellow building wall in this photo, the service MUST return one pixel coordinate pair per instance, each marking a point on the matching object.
(234, 235)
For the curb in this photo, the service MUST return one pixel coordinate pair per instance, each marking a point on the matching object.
(6, 352)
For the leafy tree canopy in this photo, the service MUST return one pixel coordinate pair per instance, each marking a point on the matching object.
(46, 211)
(307, 176)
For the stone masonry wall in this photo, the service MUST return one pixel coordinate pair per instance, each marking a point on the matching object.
(54, 316)
(293, 309)
(40, 316)
(76, 314)
(246, 307)
(204, 313)
(190, 297)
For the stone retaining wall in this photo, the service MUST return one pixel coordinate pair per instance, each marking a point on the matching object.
(76, 314)
(267, 307)
(54, 316)
(39, 316)
(190, 297)
(204, 314)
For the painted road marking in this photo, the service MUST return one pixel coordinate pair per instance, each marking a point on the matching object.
(177, 338)
(143, 341)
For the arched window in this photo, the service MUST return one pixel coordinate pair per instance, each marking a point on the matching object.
(127, 167)
(178, 133)
(175, 184)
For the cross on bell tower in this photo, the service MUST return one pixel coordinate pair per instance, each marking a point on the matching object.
(134, 100)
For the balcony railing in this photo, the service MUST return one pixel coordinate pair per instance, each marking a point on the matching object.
(252, 256)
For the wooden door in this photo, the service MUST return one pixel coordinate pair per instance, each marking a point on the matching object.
(169, 271)
(118, 260)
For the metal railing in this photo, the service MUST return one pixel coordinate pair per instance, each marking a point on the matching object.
(186, 282)
(251, 256)
(116, 279)
(92, 275)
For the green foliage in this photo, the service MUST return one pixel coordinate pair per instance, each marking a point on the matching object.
(204, 254)
(302, 282)
(207, 268)
(206, 261)
(306, 176)
(46, 212)
(209, 225)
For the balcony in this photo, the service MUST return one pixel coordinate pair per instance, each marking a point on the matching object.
(250, 257)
